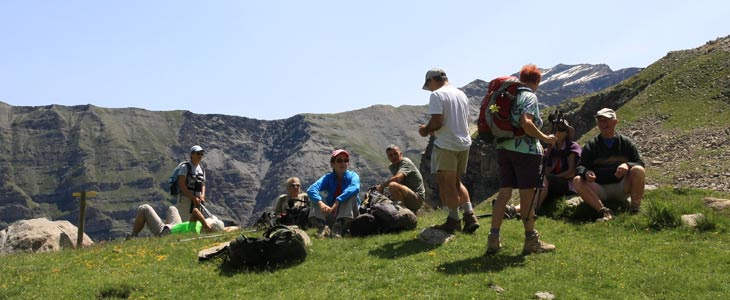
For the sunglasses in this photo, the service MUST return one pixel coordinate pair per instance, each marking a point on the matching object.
(340, 160)
(200, 153)
(295, 185)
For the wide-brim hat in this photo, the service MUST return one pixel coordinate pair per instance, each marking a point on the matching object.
(571, 131)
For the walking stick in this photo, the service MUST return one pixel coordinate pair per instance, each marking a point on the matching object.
(553, 119)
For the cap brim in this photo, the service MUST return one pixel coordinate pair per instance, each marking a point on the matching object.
(425, 85)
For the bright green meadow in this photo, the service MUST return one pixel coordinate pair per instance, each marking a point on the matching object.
(646, 256)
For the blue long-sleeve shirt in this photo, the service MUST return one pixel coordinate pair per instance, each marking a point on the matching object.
(328, 183)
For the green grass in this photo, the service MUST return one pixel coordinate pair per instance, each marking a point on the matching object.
(627, 258)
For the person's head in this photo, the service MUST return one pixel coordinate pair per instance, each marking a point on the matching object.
(606, 120)
(530, 75)
(339, 160)
(196, 154)
(435, 79)
(215, 224)
(563, 131)
(293, 186)
(394, 154)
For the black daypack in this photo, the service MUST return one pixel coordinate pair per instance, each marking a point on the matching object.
(379, 214)
(176, 173)
(279, 247)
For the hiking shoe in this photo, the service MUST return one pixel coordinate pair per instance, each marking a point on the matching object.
(165, 230)
(337, 230)
(470, 222)
(129, 236)
(323, 232)
(607, 215)
(494, 243)
(635, 210)
(510, 212)
(450, 226)
(533, 244)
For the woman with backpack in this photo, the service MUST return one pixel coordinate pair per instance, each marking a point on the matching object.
(340, 205)
(562, 159)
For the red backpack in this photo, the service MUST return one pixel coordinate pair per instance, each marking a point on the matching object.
(495, 114)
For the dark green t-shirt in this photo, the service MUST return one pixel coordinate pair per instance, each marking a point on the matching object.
(413, 179)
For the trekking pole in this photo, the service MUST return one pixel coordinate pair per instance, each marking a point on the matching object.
(543, 166)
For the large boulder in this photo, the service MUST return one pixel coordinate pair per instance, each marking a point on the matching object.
(39, 235)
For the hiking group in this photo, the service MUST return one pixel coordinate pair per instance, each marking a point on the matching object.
(606, 171)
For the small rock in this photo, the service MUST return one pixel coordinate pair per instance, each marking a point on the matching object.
(544, 295)
(496, 288)
(573, 202)
(691, 220)
(717, 203)
(434, 236)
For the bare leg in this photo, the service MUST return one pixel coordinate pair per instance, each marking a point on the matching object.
(635, 185)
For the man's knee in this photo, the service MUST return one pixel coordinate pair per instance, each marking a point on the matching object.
(637, 173)
(144, 208)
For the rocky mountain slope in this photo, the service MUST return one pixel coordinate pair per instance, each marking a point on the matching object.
(677, 110)
(127, 154)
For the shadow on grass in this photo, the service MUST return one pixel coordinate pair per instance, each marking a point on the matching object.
(482, 264)
(227, 269)
(402, 249)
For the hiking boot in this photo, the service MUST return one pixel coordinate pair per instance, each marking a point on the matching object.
(494, 243)
(635, 210)
(337, 229)
(533, 244)
(129, 236)
(510, 212)
(607, 215)
(165, 230)
(450, 226)
(470, 222)
(323, 232)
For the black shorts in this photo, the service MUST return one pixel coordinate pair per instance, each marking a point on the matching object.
(518, 170)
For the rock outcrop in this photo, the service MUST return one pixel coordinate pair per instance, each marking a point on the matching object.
(40, 235)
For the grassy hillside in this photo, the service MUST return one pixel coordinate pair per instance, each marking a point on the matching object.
(632, 257)
(678, 112)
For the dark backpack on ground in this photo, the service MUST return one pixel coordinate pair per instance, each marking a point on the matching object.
(279, 247)
(365, 224)
(395, 218)
(379, 214)
(175, 174)
(495, 113)
(295, 216)
(267, 220)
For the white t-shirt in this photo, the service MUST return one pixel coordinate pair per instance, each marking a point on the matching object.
(453, 104)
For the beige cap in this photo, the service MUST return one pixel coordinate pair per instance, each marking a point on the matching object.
(435, 72)
(606, 112)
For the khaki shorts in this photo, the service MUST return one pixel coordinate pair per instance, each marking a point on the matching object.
(449, 160)
(413, 201)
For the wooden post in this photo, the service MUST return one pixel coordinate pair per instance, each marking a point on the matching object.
(82, 215)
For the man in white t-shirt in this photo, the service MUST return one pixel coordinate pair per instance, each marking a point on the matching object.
(449, 123)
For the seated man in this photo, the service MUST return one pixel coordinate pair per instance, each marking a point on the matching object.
(292, 208)
(406, 184)
(610, 169)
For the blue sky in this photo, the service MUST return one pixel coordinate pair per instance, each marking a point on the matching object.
(274, 59)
